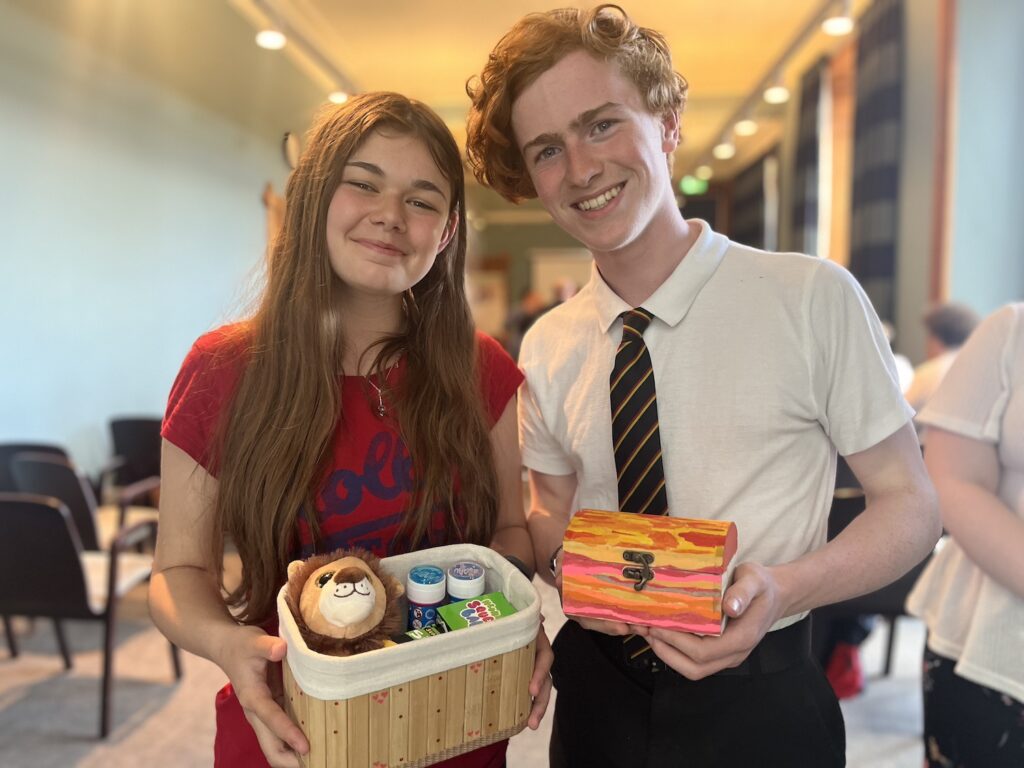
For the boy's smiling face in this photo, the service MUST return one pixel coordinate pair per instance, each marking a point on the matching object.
(595, 154)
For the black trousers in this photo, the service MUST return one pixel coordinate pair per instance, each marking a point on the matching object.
(968, 725)
(607, 715)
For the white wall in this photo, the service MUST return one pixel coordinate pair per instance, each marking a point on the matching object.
(986, 247)
(131, 222)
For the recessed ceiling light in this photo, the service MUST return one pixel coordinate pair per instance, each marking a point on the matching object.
(271, 39)
(776, 94)
(837, 26)
(745, 128)
(724, 151)
(338, 97)
(840, 22)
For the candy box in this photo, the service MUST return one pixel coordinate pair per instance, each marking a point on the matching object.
(476, 610)
(419, 702)
(643, 569)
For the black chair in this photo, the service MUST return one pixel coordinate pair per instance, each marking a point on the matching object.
(9, 450)
(49, 475)
(137, 446)
(45, 572)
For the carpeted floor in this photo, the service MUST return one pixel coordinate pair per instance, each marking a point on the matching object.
(49, 718)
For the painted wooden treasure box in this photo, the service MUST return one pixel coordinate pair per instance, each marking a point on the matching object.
(643, 569)
(420, 702)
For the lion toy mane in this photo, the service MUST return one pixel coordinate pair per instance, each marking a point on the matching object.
(344, 602)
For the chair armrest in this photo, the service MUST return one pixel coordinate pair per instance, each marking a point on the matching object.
(131, 536)
(126, 537)
(130, 493)
(110, 467)
(138, 489)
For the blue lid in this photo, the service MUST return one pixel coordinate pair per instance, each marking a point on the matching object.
(425, 585)
(426, 574)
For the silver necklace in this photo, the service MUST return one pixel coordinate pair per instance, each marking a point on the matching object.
(380, 409)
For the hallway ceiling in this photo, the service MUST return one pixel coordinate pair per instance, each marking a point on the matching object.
(204, 50)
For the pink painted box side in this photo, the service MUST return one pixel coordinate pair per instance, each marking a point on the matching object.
(691, 565)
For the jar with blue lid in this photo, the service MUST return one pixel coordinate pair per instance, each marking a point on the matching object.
(425, 590)
(465, 580)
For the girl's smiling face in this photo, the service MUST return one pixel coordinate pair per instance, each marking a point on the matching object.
(389, 216)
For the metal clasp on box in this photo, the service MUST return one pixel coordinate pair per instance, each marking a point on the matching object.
(644, 573)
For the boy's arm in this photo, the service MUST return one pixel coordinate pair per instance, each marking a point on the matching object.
(897, 529)
(551, 498)
(550, 511)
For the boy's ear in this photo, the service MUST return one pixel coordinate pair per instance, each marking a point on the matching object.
(670, 131)
(449, 231)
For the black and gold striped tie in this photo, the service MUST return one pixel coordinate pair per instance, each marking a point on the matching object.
(637, 444)
(636, 441)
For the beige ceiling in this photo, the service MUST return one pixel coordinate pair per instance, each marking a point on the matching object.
(204, 50)
(724, 48)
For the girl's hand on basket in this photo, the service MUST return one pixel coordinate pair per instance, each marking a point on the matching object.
(252, 664)
(540, 683)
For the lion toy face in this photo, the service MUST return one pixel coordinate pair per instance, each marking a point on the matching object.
(344, 602)
(342, 599)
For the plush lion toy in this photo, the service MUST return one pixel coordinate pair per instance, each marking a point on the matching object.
(344, 602)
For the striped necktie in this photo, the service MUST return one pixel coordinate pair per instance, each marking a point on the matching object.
(637, 445)
(636, 441)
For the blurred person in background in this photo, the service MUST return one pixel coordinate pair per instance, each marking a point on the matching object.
(971, 595)
(948, 327)
(531, 306)
(904, 368)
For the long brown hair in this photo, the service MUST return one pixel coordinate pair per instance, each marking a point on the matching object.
(275, 440)
(536, 43)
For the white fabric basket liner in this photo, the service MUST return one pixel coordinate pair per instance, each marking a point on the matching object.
(342, 677)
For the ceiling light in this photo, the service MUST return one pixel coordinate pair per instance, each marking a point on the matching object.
(837, 26)
(840, 23)
(724, 150)
(271, 39)
(776, 93)
(745, 128)
(338, 97)
(704, 172)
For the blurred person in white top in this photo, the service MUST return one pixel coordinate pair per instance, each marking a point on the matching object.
(948, 326)
(971, 595)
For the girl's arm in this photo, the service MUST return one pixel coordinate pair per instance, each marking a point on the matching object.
(512, 537)
(966, 475)
(186, 604)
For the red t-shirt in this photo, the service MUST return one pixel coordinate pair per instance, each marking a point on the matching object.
(366, 490)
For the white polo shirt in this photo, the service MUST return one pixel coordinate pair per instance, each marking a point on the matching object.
(765, 364)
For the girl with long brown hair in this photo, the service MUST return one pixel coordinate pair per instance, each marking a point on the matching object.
(356, 407)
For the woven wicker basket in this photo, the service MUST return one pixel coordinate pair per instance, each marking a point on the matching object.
(421, 702)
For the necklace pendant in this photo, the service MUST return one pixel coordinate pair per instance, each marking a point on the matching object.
(381, 411)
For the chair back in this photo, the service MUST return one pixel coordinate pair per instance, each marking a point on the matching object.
(137, 441)
(47, 475)
(9, 450)
(40, 559)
